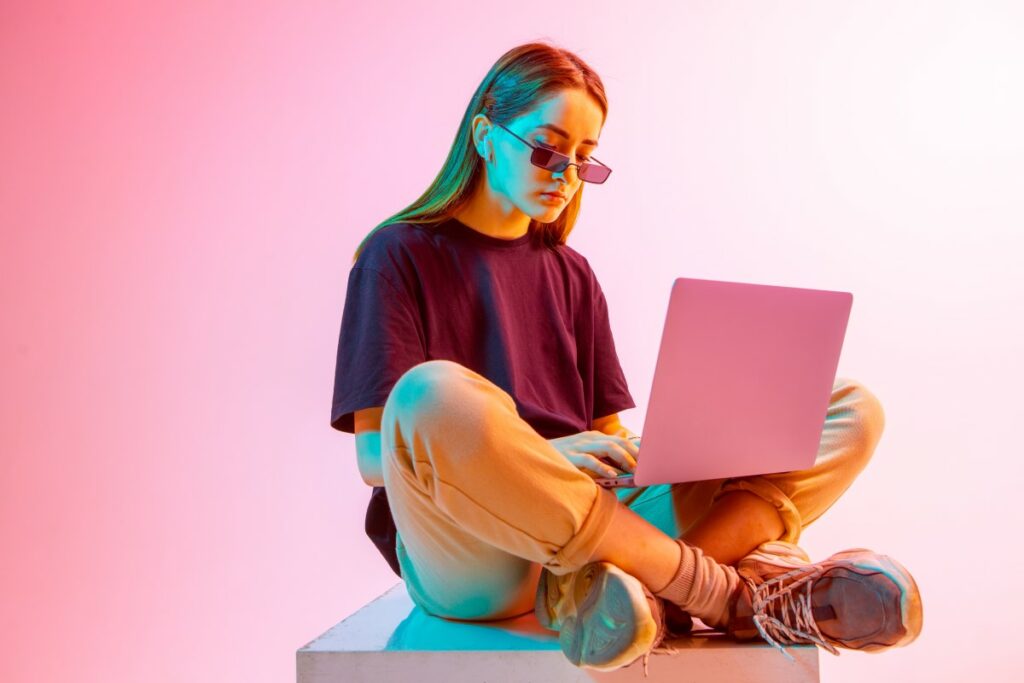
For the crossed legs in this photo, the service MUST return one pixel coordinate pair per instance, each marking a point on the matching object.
(482, 502)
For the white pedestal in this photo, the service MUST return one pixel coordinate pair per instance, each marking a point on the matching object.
(391, 639)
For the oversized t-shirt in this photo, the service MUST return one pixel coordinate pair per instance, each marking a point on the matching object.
(532, 320)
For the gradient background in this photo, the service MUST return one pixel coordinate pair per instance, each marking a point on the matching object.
(183, 186)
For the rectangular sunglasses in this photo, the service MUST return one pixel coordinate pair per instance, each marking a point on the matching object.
(592, 171)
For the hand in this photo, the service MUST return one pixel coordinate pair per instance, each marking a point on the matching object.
(595, 452)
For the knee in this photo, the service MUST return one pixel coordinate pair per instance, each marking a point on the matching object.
(430, 384)
(868, 414)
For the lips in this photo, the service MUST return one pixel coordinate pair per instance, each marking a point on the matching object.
(557, 195)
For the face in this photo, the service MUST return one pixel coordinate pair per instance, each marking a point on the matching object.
(569, 123)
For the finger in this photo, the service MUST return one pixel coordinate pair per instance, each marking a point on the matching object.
(615, 455)
(632, 447)
(600, 468)
(591, 465)
(622, 457)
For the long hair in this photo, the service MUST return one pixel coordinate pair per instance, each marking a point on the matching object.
(521, 78)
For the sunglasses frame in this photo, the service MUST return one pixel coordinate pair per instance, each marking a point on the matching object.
(561, 159)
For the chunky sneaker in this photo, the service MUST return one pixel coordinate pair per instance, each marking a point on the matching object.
(606, 618)
(855, 599)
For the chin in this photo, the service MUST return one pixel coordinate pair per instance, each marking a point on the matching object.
(547, 216)
(549, 211)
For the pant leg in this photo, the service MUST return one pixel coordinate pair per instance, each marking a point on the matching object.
(853, 426)
(480, 500)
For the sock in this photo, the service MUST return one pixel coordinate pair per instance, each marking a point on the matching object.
(701, 586)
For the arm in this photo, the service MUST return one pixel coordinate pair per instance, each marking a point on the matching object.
(610, 424)
(367, 425)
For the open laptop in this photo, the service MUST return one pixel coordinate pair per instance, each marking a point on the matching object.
(742, 383)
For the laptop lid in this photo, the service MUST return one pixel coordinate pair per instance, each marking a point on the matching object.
(742, 382)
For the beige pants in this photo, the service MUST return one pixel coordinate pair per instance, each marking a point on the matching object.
(482, 502)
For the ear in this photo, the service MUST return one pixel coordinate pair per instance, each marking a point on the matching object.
(481, 136)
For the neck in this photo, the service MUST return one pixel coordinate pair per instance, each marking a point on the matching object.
(493, 215)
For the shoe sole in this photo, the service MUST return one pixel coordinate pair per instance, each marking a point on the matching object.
(606, 621)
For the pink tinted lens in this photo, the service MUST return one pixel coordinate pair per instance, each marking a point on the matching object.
(594, 173)
(556, 161)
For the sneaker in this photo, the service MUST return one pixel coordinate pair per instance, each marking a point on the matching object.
(777, 554)
(606, 618)
(855, 599)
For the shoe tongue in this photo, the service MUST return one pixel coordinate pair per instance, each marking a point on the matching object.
(751, 574)
(740, 622)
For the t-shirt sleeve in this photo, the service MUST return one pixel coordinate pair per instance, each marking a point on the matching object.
(611, 393)
(381, 337)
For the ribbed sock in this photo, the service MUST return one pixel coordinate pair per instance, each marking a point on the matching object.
(701, 586)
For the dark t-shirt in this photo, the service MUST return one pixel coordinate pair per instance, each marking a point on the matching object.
(532, 320)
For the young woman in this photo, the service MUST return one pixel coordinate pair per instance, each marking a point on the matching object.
(477, 369)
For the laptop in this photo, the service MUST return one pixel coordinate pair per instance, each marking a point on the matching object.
(742, 383)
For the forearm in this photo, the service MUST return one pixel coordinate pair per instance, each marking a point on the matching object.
(615, 428)
(626, 432)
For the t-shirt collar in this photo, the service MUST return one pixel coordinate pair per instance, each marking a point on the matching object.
(463, 231)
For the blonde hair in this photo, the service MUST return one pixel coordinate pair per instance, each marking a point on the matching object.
(522, 78)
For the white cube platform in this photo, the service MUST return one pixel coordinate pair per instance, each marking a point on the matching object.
(392, 639)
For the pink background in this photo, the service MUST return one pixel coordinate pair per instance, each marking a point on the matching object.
(183, 186)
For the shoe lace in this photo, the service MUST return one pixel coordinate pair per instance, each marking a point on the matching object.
(782, 609)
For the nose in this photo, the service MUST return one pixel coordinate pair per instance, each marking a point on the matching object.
(564, 174)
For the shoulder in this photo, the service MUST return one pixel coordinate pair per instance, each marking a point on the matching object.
(576, 263)
(389, 242)
(396, 251)
(584, 275)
